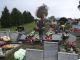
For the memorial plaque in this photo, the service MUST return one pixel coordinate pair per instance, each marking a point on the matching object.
(34, 54)
(67, 56)
(50, 51)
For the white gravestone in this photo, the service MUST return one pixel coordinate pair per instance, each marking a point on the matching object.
(14, 36)
(1, 52)
(34, 54)
(67, 56)
(50, 51)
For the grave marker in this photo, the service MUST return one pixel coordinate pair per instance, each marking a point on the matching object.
(50, 50)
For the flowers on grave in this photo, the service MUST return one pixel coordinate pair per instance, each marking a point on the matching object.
(10, 46)
(75, 30)
(32, 33)
(63, 26)
(70, 45)
(65, 36)
(36, 37)
(30, 36)
(5, 38)
(2, 43)
(19, 55)
(48, 36)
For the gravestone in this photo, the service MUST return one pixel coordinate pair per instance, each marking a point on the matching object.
(50, 50)
(34, 54)
(1, 52)
(67, 56)
(3, 33)
(56, 37)
(14, 36)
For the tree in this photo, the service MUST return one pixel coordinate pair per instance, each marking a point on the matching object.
(42, 11)
(5, 18)
(24, 17)
(27, 17)
(16, 17)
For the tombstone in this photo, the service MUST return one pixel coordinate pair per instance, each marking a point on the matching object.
(34, 54)
(3, 33)
(1, 52)
(14, 36)
(56, 37)
(67, 56)
(50, 50)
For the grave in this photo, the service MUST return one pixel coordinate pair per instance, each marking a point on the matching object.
(67, 56)
(50, 51)
(34, 54)
(1, 52)
(14, 36)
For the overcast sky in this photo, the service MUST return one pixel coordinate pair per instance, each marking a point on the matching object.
(57, 8)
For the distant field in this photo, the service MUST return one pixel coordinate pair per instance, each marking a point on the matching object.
(28, 27)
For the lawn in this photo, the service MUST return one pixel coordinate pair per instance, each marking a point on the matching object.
(28, 27)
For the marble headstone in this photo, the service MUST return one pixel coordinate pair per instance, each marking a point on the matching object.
(14, 36)
(34, 54)
(67, 56)
(1, 52)
(50, 50)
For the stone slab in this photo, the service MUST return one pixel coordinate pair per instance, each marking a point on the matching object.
(67, 56)
(50, 51)
(34, 54)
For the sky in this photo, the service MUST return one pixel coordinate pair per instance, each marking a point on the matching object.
(57, 8)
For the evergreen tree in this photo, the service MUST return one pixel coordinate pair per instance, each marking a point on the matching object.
(5, 18)
(28, 18)
(16, 17)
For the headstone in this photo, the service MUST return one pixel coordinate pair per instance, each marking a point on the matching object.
(34, 54)
(14, 36)
(1, 52)
(57, 37)
(67, 56)
(50, 50)
(3, 33)
(23, 37)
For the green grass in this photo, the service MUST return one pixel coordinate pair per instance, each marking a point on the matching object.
(28, 27)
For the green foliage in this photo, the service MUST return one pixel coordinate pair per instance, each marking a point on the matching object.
(27, 17)
(16, 18)
(5, 18)
(42, 11)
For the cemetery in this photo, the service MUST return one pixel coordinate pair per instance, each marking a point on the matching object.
(46, 39)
